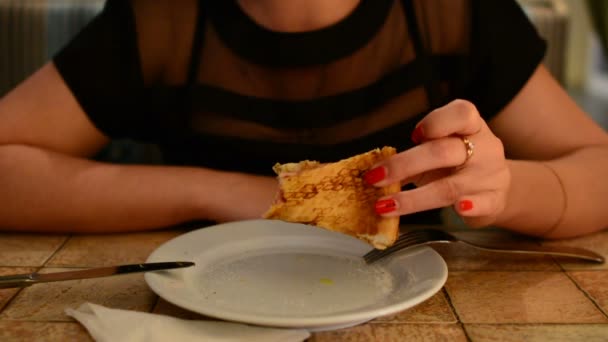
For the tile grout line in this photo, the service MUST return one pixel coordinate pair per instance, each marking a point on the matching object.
(458, 321)
(8, 303)
(464, 270)
(68, 238)
(411, 322)
(373, 330)
(156, 301)
(37, 268)
(561, 270)
(53, 321)
(586, 294)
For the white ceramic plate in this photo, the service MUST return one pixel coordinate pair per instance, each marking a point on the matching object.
(272, 273)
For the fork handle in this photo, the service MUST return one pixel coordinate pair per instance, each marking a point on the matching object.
(571, 252)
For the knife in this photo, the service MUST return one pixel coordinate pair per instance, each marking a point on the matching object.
(24, 280)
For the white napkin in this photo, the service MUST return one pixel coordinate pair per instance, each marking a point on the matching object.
(117, 325)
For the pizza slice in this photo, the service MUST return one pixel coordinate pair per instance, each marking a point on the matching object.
(334, 196)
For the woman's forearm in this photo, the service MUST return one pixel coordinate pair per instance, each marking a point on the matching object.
(537, 205)
(48, 191)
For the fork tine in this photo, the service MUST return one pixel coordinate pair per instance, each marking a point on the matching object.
(405, 240)
(410, 239)
(382, 254)
(396, 247)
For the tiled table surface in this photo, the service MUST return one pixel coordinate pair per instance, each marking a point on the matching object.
(487, 297)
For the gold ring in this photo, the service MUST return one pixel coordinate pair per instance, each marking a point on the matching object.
(470, 147)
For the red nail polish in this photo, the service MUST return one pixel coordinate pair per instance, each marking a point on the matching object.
(418, 135)
(465, 205)
(375, 175)
(386, 206)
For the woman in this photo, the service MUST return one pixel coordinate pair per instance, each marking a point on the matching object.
(228, 88)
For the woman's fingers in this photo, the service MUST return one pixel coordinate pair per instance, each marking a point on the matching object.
(480, 204)
(479, 210)
(458, 117)
(427, 177)
(469, 199)
(432, 155)
(458, 162)
(438, 194)
(440, 144)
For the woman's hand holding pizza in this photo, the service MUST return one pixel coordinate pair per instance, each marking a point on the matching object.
(457, 162)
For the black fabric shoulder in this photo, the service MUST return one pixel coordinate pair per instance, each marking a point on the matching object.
(101, 67)
(506, 50)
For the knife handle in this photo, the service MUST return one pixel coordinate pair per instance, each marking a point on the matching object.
(19, 280)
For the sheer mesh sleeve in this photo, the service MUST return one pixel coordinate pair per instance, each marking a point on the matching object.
(506, 51)
(102, 68)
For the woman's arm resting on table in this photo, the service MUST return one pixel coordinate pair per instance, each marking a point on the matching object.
(48, 185)
(44, 190)
(543, 123)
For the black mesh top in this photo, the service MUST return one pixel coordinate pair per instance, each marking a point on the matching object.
(245, 97)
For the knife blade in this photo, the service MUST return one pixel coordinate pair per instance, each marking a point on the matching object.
(24, 280)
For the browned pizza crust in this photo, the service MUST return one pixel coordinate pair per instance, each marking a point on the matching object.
(334, 196)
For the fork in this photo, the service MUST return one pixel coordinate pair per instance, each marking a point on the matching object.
(422, 237)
